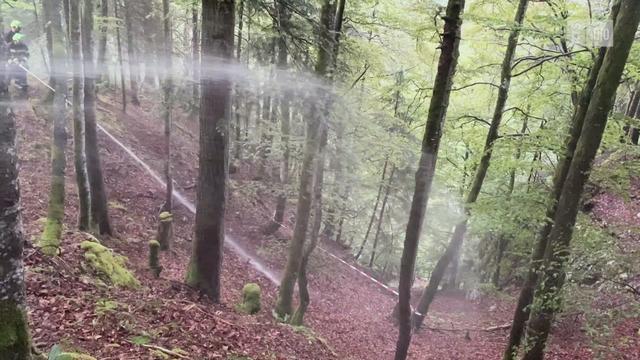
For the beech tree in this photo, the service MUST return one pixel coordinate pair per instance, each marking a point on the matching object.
(594, 123)
(99, 206)
(425, 173)
(16, 342)
(217, 51)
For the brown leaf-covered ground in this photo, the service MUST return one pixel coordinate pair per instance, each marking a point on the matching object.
(349, 314)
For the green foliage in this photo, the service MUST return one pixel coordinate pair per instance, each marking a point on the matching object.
(108, 264)
(57, 353)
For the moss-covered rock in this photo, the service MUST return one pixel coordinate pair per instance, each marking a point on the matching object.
(250, 299)
(154, 258)
(110, 265)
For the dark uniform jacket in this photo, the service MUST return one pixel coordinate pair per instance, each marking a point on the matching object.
(18, 51)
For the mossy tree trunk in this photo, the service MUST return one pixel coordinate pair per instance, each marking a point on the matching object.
(99, 206)
(426, 167)
(284, 303)
(595, 121)
(165, 233)
(52, 233)
(522, 310)
(481, 172)
(217, 50)
(14, 331)
(80, 157)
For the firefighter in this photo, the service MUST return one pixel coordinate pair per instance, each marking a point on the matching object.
(18, 56)
(16, 28)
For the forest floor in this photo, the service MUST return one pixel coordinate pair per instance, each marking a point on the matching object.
(349, 315)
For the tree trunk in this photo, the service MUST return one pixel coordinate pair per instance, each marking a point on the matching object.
(195, 54)
(375, 210)
(381, 216)
(558, 250)
(99, 208)
(80, 157)
(284, 303)
(134, 65)
(165, 233)
(426, 167)
(285, 126)
(102, 42)
(120, 62)
(298, 316)
(483, 167)
(525, 298)
(217, 50)
(52, 233)
(16, 342)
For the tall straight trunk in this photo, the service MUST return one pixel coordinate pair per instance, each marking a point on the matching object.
(375, 209)
(99, 208)
(426, 167)
(47, 13)
(525, 298)
(102, 42)
(298, 316)
(481, 171)
(217, 51)
(80, 157)
(558, 250)
(284, 303)
(120, 62)
(195, 54)
(52, 233)
(132, 56)
(284, 17)
(381, 216)
(16, 342)
(165, 233)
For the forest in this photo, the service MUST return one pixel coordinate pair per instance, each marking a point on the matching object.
(319, 179)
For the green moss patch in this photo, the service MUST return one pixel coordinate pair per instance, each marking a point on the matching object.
(250, 299)
(108, 264)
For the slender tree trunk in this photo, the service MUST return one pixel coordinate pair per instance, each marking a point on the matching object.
(481, 171)
(558, 250)
(375, 210)
(298, 316)
(80, 157)
(102, 42)
(120, 62)
(284, 303)
(217, 50)
(165, 232)
(132, 56)
(525, 298)
(381, 216)
(99, 208)
(426, 167)
(52, 233)
(16, 342)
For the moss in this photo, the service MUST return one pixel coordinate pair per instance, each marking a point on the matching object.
(250, 299)
(14, 332)
(166, 216)
(154, 259)
(52, 233)
(74, 356)
(111, 266)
